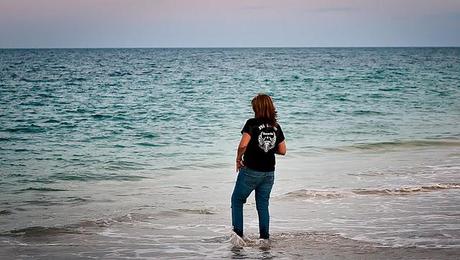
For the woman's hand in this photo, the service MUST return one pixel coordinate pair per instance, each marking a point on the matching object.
(239, 164)
(245, 138)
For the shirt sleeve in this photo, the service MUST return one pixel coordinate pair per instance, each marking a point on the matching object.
(280, 135)
(247, 128)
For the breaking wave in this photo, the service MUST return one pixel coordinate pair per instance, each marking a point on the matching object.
(398, 145)
(407, 190)
(197, 211)
(315, 194)
(81, 227)
(88, 226)
(399, 191)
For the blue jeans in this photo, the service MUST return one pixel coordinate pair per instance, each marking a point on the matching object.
(247, 181)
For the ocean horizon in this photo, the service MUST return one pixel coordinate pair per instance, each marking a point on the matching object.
(232, 47)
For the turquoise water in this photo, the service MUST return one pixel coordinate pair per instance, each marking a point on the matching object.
(129, 152)
(107, 114)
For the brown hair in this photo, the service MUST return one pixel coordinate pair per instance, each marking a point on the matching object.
(263, 107)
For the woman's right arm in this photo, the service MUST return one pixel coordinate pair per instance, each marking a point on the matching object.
(281, 148)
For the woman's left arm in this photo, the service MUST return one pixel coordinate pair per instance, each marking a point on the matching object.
(281, 149)
(241, 149)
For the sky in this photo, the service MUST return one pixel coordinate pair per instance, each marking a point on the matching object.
(228, 23)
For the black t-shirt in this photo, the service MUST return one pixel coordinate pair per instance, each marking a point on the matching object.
(260, 152)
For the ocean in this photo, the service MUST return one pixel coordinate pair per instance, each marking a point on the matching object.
(129, 153)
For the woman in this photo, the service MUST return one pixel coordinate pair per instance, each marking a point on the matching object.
(262, 137)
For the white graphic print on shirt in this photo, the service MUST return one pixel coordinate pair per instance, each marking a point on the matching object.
(267, 140)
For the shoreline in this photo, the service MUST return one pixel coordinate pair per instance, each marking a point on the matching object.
(352, 201)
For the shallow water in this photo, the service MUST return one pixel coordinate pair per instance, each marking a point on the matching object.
(128, 153)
